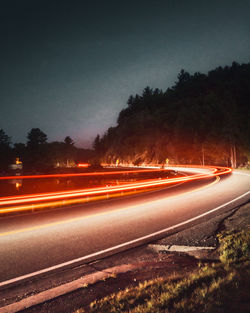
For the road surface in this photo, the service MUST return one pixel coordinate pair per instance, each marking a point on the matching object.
(36, 243)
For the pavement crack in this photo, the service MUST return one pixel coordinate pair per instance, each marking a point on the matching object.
(221, 226)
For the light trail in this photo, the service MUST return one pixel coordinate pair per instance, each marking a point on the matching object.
(82, 174)
(30, 202)
(22, 230)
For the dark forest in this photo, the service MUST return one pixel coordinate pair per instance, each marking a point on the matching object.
(202, 119)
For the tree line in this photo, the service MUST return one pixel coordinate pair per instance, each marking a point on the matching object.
(39, 155)
(202, 119)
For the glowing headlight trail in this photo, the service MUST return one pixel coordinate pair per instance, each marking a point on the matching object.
(96, 191)
(47, 196)
(18, 200)
(99, 190)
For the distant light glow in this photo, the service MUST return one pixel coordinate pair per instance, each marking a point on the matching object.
(85, 165)
(18, 185)
(18, 161)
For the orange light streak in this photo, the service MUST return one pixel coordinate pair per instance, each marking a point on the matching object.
(81, 174)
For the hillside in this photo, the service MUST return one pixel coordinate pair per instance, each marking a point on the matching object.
(203, 118)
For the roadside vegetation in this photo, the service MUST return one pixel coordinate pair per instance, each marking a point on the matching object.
(216, 288)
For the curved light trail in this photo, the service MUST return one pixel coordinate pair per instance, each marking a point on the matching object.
(148, 170)
(38, 201)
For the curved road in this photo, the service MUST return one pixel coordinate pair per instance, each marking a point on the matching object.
(37, 243)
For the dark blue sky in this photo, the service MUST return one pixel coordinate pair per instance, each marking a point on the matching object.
(68, 67)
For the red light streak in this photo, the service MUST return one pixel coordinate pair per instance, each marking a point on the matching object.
(63, 195)
(80, 174)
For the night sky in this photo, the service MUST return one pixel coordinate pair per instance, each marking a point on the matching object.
(68, 67)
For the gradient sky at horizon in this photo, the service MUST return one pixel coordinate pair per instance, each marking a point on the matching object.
(68, 67)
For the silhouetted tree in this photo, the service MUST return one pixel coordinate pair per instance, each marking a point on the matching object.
(96, 143)
(5, 151)
(37, 150)
(4, 139)
(68, 141)
(36, 137)
(70, 151)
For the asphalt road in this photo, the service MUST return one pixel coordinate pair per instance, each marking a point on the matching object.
(48, 240)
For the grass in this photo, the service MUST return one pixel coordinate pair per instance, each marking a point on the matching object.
(215, 288)
(234, 246)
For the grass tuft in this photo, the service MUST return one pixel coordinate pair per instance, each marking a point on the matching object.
(234, 246)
